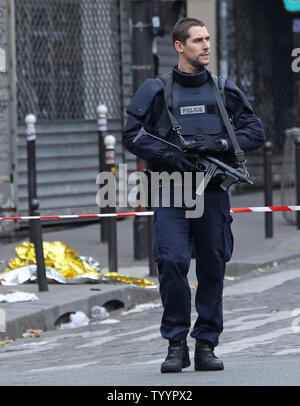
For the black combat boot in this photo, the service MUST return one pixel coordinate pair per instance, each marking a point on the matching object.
(177, 358)
(205, 359)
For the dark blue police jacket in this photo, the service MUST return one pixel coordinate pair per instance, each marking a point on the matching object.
(194, 106)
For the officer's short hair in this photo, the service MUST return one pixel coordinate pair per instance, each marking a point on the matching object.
(181, 28)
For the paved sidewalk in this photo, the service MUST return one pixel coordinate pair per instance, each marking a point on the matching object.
(251, 251)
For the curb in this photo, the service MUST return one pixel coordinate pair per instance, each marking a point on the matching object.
(237, 268)
(52, 306)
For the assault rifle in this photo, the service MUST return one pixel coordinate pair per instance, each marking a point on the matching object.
(212, 167)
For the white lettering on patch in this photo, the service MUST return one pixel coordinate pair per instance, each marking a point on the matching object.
(192, 110)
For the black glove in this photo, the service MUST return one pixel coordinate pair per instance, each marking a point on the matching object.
(180, 161)
(207, 145)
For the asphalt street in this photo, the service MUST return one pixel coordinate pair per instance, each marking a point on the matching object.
(260, 344)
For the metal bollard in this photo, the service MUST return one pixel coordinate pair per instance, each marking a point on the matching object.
(35, 229)
(110, 142)
(102, 129)
(268, 190)
(297, 179)
(30, 121)
(39, 250)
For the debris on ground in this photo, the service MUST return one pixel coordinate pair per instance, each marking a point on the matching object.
(6, 341)
(109, 321)
(77, 319)
(63, 265)
(232, 278)
(32, 333)
(99, 313)
(141, 307)
(13, 297)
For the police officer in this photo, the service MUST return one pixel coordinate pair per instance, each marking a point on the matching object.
(193, 104)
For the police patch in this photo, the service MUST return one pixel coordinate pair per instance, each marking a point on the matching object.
(192, 109)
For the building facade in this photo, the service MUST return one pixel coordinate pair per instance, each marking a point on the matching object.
(67, 57)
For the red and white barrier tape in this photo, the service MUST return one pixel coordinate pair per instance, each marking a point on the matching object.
(150, 213)
(264, 209)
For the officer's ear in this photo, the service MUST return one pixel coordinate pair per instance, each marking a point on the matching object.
(178, 45)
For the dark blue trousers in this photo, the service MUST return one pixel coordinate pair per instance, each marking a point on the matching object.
(213, 244)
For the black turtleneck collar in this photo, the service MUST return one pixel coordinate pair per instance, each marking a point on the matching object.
(190, 79)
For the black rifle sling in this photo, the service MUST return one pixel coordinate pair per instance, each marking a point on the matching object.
(168, 85)
(237, 149)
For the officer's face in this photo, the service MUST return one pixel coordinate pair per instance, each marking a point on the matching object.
(195, 52)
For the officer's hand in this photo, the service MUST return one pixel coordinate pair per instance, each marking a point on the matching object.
(208, 146)
(181, 161)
